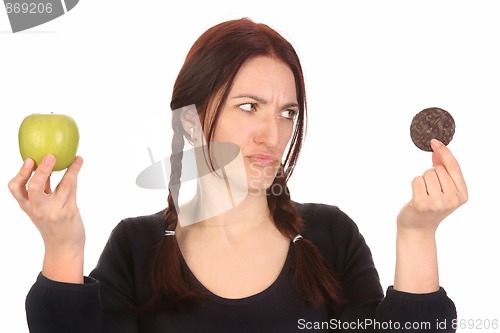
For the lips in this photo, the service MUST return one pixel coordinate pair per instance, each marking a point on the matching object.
(263, 159)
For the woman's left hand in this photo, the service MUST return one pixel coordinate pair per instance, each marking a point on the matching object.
(436, 194)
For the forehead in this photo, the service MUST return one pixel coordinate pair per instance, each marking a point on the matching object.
(266, 77)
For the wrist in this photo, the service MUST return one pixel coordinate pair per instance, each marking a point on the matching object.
(416, 234)
(64, 264)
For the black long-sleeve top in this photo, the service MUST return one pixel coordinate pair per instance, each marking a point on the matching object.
(122, 277)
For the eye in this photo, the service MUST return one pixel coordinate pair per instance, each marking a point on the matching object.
(248, 107)
(289, 114)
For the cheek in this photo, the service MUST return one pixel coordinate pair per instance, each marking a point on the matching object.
(286, 134)
(229, 135)
(231, 130)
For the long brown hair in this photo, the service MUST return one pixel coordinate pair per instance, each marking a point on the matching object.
(208, 71)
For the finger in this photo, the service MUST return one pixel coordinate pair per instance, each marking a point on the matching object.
(435, 160)
(443, 156)
(432, 184)
(17, 185)
(36, 186)
(47, 188)
(447, 184)
(66, 189)
(418, 188)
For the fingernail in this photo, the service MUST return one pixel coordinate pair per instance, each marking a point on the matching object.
(28, 163)
(436, 143)
(47, 160)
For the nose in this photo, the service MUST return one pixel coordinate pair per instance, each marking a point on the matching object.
(267, 132)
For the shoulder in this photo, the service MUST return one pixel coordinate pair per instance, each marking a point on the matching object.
(152, 221)
(139, 230)
(320, 218)
(126, 259)
(132, 240)
(334, 233)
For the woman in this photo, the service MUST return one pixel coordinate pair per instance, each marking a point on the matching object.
(258, 262)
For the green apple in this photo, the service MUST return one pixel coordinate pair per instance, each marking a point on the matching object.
(43, 134)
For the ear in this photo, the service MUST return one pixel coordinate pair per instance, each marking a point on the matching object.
(190, 121)
(189, 118)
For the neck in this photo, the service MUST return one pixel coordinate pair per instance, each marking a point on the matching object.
(212, 210)
(224, 204)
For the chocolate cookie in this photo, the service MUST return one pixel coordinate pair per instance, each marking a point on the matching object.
(431, 123)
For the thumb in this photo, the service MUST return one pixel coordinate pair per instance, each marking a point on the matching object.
(435, 158)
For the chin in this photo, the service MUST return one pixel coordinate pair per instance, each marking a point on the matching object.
(258, 186)
(260, 178)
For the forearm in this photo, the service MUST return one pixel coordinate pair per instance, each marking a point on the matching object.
(416, 262)
(64, 251)
(63, 265)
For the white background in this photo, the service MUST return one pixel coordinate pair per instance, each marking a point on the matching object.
(369, 66)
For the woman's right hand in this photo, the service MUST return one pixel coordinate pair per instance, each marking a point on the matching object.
(55, 214)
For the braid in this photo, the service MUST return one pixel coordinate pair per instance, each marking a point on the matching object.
(175, 172)
(312, 278)
(170, 286)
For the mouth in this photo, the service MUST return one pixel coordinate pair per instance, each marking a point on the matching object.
(263, 159)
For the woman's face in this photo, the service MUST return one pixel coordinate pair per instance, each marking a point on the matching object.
(258, 116)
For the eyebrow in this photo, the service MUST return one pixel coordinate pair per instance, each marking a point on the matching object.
(263, 101)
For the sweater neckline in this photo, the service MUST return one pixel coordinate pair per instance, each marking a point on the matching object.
(244, 300)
